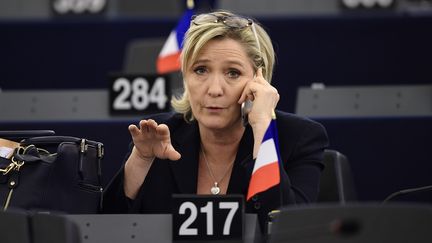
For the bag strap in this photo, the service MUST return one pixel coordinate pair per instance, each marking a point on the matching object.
(22, 134)
(31, 154)
(83, 146)
(100, 152)
(27, 155)
(27, 158)
(49, 140)
(56, 139)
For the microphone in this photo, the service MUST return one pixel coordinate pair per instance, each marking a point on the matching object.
(407, 191)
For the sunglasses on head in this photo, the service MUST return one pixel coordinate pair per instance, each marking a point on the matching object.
(232, 21)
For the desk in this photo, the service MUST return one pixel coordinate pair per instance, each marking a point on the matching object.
(124, 228)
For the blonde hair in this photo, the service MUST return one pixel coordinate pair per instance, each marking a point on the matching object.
(261, 55)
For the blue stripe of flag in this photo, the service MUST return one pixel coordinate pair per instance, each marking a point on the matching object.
(272, 133)
(183, 26)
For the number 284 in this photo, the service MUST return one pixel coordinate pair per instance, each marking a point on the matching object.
(137, 93)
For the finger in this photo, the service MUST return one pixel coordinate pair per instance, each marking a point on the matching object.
(259, 77)
(169, 152)
(242, 98)
(133, 130)
(143, 126)
(162, 130)
(148, 127)
(246, 96)
(152, 125)
(172, 154)
(245, 93)
(259, 74)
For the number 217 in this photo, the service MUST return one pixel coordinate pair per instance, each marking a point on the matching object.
(185, 228)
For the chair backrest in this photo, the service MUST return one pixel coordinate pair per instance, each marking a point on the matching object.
(26, 227)
(141, 56)
(14, 227)
(336, 184)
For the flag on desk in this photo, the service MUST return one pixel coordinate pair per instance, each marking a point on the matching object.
(169, 57)
(266, 172)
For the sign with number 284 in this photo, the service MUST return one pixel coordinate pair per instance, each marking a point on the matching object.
(138, 94)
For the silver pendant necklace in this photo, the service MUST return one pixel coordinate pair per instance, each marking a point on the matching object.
(215, 189)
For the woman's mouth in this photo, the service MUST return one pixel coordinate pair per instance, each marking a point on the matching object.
(214, 108)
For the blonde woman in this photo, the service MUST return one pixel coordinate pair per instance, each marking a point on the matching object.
(203, 147)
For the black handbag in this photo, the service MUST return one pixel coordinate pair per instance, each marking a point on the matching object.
(53, 173)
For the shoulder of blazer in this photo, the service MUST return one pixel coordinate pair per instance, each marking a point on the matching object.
(293, 130)
(292, 121)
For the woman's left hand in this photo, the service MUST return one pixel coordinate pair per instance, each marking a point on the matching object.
(265, 98)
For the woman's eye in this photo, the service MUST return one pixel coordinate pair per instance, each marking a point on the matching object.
(233, 74)
(200, 70)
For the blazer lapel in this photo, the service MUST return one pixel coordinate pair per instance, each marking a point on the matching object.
(185, 140)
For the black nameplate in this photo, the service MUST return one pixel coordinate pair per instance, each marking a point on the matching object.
(137, 94)
(207, 218)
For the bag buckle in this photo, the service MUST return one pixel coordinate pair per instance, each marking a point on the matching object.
(6, 170)
(83, 146)
(100, 151)
(14, 165)
(17, 164)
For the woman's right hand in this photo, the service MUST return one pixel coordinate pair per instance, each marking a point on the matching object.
(152, 140)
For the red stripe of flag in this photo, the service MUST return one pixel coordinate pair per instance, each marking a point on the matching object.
(169, 63)
(264, 179)
(266, 172)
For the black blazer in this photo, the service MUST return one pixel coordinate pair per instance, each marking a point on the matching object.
(301, 142)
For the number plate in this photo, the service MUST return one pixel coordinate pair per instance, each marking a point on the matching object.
(208, 218)
(78, 8)
(138, 94)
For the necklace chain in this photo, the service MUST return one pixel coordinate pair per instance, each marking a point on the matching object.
(215, 189)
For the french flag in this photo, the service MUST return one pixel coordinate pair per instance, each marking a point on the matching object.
(266, 172)
(169, 57)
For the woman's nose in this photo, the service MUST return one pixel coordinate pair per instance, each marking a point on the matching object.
(216, 86)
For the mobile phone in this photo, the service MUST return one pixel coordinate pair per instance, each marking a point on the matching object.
(246, 107)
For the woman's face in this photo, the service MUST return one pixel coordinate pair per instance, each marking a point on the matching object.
(215, 82)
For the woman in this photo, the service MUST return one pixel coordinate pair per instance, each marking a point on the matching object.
(204, 148)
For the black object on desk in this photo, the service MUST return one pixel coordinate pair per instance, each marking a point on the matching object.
(354, 224)
(23, 227)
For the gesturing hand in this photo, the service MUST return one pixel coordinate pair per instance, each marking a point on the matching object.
(153, 140)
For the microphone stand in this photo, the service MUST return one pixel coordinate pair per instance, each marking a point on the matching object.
(407, 191)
